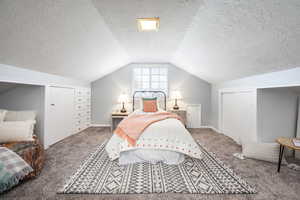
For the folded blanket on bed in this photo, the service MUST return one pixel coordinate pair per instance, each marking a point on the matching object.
(132, 127)
(12, 169)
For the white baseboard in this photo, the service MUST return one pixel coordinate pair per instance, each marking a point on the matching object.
(100, 125)
(216, 130)
(204, 126)
(212, 128)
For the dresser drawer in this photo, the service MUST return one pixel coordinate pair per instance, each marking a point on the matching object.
(79, 100)
(78, 92)
(79, 107)
(80, 114)
(78, 122)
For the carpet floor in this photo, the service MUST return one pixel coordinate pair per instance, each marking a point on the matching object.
(66, 156)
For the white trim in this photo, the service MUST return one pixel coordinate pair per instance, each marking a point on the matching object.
(100, 125)
(212, 128)
(215, 129)
(204, 127)
(258, 87)
(278, 86)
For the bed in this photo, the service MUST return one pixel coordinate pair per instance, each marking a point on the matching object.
(166, 141)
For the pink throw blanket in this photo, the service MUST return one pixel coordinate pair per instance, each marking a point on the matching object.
(132, 127)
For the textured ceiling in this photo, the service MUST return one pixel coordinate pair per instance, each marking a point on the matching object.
(233, 39)
(63, 37)
(175, 17)
(215, 40)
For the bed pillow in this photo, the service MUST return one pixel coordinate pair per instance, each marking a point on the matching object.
(12, 169)
(2, 115)
(159, 106)
(23, 115)
(150, 104)
(262, 151)
(17, 131)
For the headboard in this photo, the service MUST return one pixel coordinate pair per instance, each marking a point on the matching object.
(158, 94)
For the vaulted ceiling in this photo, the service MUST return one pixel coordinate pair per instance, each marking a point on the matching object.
(87, 39)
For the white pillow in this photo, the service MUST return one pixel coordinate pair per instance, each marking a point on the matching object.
(20, 115)
(17, 131)
(2, 115)
(262, 151)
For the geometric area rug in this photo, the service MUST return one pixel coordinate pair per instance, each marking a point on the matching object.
(99, 175)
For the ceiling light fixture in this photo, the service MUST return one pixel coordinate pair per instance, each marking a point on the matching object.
(148, 24)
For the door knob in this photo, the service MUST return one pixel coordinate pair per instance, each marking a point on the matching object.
(52, 104)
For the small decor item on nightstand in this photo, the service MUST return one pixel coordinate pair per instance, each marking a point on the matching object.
(296, 142)
(176, 95)
(123, 99)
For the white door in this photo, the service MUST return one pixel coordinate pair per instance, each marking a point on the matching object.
(60, 121)
(193, 115)
(238, 119)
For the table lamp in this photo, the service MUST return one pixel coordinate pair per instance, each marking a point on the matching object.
(123, 99)
(176, 95)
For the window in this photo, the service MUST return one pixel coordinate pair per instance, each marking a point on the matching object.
(150, 78)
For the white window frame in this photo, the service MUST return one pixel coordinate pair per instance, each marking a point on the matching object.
(153, 72)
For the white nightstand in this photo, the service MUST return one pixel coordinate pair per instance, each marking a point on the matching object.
(180, 113)
(116, 118)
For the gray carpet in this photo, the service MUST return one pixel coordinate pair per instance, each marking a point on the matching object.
(66, 156)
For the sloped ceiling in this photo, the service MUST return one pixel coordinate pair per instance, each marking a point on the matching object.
(215, 40)
(175, 17)
(63, 37)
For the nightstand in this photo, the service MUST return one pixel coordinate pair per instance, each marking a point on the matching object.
(180, 113)
(116, 118)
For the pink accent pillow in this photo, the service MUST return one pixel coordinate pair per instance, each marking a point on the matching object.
(149, 105)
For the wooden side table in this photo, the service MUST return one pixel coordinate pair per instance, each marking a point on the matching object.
(180, 113)
(116, 118)
(284, 142)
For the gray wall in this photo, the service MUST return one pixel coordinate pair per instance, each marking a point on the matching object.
(26, 97)
(105, 92)
(287, 77)
(277, 113)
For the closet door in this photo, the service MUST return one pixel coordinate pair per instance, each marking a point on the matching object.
(194, 116)
(239, 116)
(60, 120)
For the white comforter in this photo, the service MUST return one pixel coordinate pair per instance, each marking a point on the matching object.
(166, 141)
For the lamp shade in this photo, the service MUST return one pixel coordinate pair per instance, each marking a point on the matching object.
(176, 95)
(123, 98)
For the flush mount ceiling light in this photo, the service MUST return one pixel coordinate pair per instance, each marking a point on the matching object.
(148, 24)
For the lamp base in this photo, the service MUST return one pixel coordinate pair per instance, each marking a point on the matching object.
(123, 110)
(175, 107)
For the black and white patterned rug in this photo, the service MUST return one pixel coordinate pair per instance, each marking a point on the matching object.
(99, 175)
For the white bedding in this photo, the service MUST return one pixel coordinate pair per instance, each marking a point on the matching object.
(151, 156)
(166, 141)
